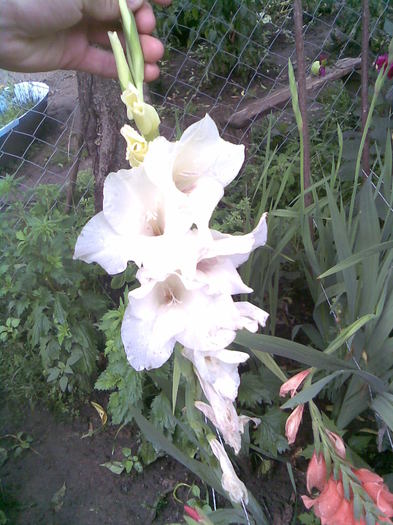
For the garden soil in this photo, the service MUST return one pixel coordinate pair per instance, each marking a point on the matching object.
(63, 454)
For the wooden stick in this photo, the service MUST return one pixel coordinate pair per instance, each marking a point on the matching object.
(279, 97)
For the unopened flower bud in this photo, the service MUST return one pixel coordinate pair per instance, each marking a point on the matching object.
(137, 146)
(145, 116)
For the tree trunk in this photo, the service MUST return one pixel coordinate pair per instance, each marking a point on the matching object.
(102, 116)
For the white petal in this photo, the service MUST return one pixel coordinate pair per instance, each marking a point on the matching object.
(201, 152)
(152, 322)
(127, 194)
(219, 369)
(230, 482)
(220, 276)
(251, 316)
(239, 247)
(207, 411)
(158, 163)
(136, 335)
(99, 242)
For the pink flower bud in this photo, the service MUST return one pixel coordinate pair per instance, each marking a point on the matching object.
(193, 513)
(293, 383)
(292, 424)
(338, 443)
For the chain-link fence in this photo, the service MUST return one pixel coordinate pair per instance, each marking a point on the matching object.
(226, 58)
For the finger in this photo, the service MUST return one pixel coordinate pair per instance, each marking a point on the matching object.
(145, 19)
(152, 72)
(96, 61)
(153, 49)
(105, 10)
(102, 62)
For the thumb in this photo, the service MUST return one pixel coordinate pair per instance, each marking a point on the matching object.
(107, 10)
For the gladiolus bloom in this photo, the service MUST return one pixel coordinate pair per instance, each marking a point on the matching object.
(377, 490)
(292, 424)
(332, 506)
(316, 473)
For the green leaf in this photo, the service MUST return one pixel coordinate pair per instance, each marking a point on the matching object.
(383, 405)
(258, 343)
(175, 380)
(343, 248)
(269, 433)
(271, 364)
(348, 332)
(356, 258)
(63, 383)
(116, 467)
(161, 413)
(252, 390)
(261, 343)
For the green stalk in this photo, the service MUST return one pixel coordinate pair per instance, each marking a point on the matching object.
(299, 122)
(133, 46)
(378, 85)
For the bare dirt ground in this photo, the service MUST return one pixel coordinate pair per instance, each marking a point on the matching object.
(93, 495)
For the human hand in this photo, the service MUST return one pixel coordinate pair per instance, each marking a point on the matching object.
(43, 35)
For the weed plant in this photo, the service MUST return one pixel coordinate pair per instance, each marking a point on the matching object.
(49, 302)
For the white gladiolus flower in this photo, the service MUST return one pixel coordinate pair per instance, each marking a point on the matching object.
(138, 223)
(230, 482)
(210, 260)
(219, 378)
(160, 313)
(196, 168)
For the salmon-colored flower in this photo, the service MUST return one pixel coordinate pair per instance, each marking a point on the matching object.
(293, 383)
(332, 506)
(377, 490)
(326, 504)
(292, 424)
(316, 473)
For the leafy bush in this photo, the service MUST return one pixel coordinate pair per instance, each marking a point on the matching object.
(49, 302)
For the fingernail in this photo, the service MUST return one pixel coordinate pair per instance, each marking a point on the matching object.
(134, 5)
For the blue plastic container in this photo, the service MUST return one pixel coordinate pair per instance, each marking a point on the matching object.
(17, 135)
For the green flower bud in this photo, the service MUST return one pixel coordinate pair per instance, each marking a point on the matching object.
(125, 77)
